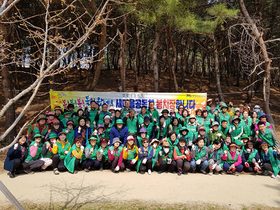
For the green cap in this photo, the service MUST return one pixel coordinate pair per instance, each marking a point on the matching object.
(239, 143)
(66, 113)
(93, 138)
(37, 135)
(119, 121)
(184, 128)
(224, 106)
(52, 135)
(244, 136)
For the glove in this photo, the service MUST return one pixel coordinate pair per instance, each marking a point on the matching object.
(193, 147)
(91, 150)
(35, 144)
(126, 149)
(218, 134)
(187, 152)
(112, 152)
(82, 148)
(198, 162)
(160, 153)
(214, 146)
(169, 161)
(65, 152)
(101, 150)
(150, 114)
(54, 142)
(144, 161)
(67, 131)
(117, 168)
(140, 151)
(247, 165)
(257, 167)
(95, 132)
(15, 146)
(214, 166)
(133, 161)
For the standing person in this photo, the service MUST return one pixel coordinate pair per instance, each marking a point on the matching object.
(91, 161)
(165, 113)
(199, 156)
(126, 108)
(75, 155)
(65, 119)
(146, 153)
(153, 113)
(166, 160)
(130, 154)
(161, 128)
(215, 133)
(100, 115)
(216, 153)
(70, 133)
(131, 122)
(107, 125)
(270, 161)
(102, 154)
(83, 130)
(236, 129)
(263, 118)
(209, 103)
(142, 115)
(224, 115)
(112, 111)
(150, 127)
(230, 110)
(63, 147)
(115, 153)
(117, 115)
(92, 112)
(192, 126)
(182, 157)
(250, 158)
(173, 141)
(212, 113)
(55, 128)
(174, 126)
(34, 153)
(184, 132)
(267, 135)
(120, 131)
(185, 117)
(206, 120)
(247, 124)
(143, 134)
(233, 160)
(179, 114)
(70, 108)
(16, 156)
(202, 134)
(39, 128)
(199, 117)
(58, 113)
(99, 132)
(77, 116)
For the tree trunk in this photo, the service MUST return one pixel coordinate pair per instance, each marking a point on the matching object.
(135, 60)
(168, 60)
(155, 61)
(123, 38)
(217, 70)
(185, 63)
(174, 60)
(267, 77)
(6, 82)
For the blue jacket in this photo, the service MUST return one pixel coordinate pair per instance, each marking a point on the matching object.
(12, 155)
(77, 133)
(141, 156)
(122, 134)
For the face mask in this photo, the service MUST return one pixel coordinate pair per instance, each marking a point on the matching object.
(154, 145)
(166, 150)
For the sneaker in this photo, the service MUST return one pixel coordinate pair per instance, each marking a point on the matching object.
(29, 171)
(210, 173)
(142, 172)
(128, 170)
(149, 172)
(159, 172)
(235, 173)
(204, 172)
(101, 169)
(273, 176)
(180, 173)
(11, 175)
(55, 171)
(265, 173)
(86, 170)
(75, 172)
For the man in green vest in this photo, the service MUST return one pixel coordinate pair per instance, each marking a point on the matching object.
(91, 114)
(224, 115)
(236, 129)
(100, 115)
(153, 113)
(131, 122)
(125, 109)
(149, 126)
(267, 135)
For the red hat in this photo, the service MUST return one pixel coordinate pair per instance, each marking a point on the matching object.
(232, 144)
(56, 122)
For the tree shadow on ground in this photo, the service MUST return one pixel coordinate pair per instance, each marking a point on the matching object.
(275, 187)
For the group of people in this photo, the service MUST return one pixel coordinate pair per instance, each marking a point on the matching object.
(220, 139)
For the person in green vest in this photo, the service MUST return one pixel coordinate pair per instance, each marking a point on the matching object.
(65, 119)
(227, 142)
(153, 113)
(165, 113)
(70, 108)
(215, 133)
(126, 108)
(91, 113)
(130, 154)
(174, 126)
(206, 120)
(199, 156)
(34, 153)
(270, 162)
(179, 113)
(157, 153)
(63, 147)
(250, 158)
(116, 116)
(107, 125)
(70, 133)
(131, 122)
(113, 112)
(143, 134)
(77, 116)
(224, 115)
(141, 115)
(236, 129)
(202, 134)
(48, 150)
(150, 127)
(263, 118)
(212, 113)
(115, 153)
(102, 154)
(267, 135)
(185, 117)
(161, 128)
(38, 128)
(192, 126)
(58, 113)
(91, 161)
(99, 132)
(209, 103)
(199, 117)
(224, 127)
(166, 160)
(100, 115)
(231, 109)
(233, 160)
(75, 155)
(182, 157)
(145, 158)
(216, 153)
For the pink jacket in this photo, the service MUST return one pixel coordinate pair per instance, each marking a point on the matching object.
(111, 157)
(239, 160)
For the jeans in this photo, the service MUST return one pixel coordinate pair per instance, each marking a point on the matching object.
(239, 168)
(203, 165)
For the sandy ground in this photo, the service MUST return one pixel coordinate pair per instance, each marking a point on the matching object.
(66, 188)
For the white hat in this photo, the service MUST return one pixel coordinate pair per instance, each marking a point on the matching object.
(215, 123)
(106, 117)
(192, 116)
(111, 107)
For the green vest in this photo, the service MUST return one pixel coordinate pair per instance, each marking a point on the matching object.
(201, 153)
(119, 150)
(275, 163)
(49, 154)
(163, 132)
(247, 128)
(92, 115)
(213, 137)
(236, 132)
(224, 130)
(69, 162)
(70, 136)
(218, 155)
(131, 152)
(267, 136)
(140, 118)
(131, 125)
(140, 161)
(107, 131)
(100, 117)
(154, 114)
(179, 153)
(230, 160)
(125, 112)
(61, 149)
(172, 145)
(149, 129)
(105, 153)
(43, 133)
(175, 129)
(38, 154)
(225, 116)
(252, 155)
(192, 128)
(93, 155)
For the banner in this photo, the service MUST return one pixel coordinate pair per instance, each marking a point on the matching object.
(191, 101)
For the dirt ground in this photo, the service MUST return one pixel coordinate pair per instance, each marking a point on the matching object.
(80, 189)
